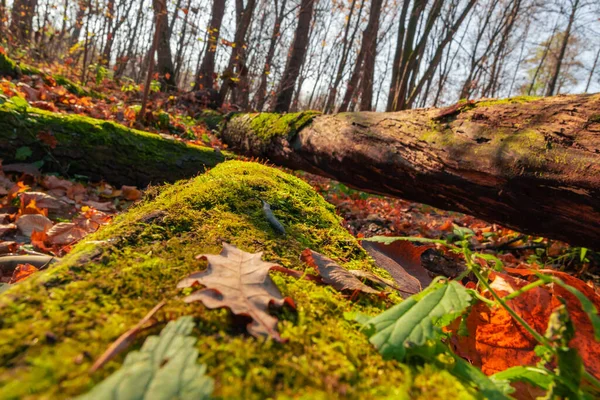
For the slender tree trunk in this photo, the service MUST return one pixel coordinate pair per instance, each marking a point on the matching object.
(371, 54)
(109, 15)
(485, 159)
(122, 64)
(21, 26)
(296, 58)
(82, 7)
(205, 77)
(164, 59)
(244, 17)
(398, 54)
(563, 50)
(181, 43)
(543, 59)
(587, 86)
(261, 93)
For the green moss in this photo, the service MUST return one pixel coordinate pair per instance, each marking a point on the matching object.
(269, 125)
(8, 68)
(106, 285)
(100, 149)
(511, 100)
(594, 118)
(210, 118)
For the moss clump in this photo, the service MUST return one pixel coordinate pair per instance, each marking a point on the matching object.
(55, 324)
(268, 125)
(510, 100)
(210, 118)
(99, 149)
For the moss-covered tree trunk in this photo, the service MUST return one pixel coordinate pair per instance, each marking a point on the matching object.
(74, 144)
(530, 164)
(56, 323)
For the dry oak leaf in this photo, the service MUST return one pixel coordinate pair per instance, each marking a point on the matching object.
(239, 281)
(33, 222)
(334, 275)
(496, 342)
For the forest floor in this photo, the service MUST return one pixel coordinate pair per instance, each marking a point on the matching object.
(68, 209)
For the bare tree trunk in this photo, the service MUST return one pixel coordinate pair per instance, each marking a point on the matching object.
(587, 86)
(164, 59)
(82, 7)
(236, 61)
(296, 58)
(205, 76)
(563, 50)
(486, 159)
(261, 93)
(122, 64)
(21, 26)
(366, 97)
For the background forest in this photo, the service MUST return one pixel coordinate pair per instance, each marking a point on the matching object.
(328, 55)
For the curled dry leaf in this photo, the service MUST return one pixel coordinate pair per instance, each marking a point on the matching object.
(44, 200)
(239, 281)
(33, 222)
(64, 233)
(53, 182)
(8, 247)
(7, 228)
(496, 342)
(402, 259)
(22, 272)
(339, 278)
(131, 193)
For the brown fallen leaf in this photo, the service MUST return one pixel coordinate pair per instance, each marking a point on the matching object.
(8, 247)
(239, 281)
(44, 200)
(131, 193)
(402, 259)
(359, 273)
(65, 233)
(22, 272)
(33, 222)
(332, 274)
(7, 228)
(53, 182)
(101, 206)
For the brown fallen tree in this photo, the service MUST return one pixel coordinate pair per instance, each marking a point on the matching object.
(532, 164)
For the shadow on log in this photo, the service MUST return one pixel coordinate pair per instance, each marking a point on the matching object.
(532, 164)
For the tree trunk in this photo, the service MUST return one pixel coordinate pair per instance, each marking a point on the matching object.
(21, 26)
(205, 77)
(531, 165)
(563, 50)
(261, 92)
(57, 322)
(366, 97)
(296, 58)
(99, 149)
(164, 59)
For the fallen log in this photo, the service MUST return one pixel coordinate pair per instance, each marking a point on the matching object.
(532, 164)
(78, 145)
(57, 322)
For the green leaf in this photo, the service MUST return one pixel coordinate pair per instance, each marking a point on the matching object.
(539, 377)
(23, 153)
(165, 368)
(19, 102)
(413, 322)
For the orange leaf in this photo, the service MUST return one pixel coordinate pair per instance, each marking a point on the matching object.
(497, 342)
(21, 272)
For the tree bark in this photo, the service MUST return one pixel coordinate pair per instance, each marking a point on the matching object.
(205, 77)
(164, 59)
(531, 165)
(21, 26)
(296, 58)
(366, 97)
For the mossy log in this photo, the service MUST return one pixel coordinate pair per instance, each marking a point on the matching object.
(56, 323)
(8, 67)
(78, 145)
(532, 164)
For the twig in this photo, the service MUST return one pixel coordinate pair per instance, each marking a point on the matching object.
(124, 340)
